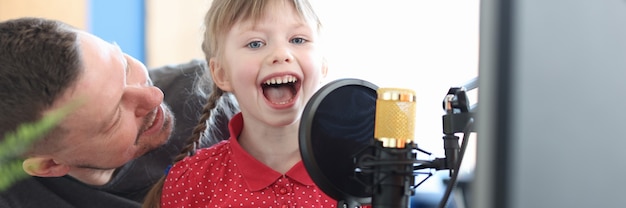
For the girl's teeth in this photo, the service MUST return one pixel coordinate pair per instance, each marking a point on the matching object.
(280, 80)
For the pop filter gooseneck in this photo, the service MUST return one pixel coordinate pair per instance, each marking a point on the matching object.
(337, 125)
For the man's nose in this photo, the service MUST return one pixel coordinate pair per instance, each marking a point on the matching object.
(143, 99)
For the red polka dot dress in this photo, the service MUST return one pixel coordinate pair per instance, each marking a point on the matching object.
(225, 175)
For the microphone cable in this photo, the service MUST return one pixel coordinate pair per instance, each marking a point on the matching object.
(452, 183)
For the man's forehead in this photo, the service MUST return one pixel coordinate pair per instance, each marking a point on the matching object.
(98, 86)
(93, 45)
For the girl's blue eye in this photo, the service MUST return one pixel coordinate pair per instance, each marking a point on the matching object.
(298, 40)
(255, 44)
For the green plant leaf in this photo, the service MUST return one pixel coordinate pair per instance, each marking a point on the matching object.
(16, 143)
(11, 172)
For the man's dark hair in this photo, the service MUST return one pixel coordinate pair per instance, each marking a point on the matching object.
(39, 61)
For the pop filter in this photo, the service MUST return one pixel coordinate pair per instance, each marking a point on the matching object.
(337, 126)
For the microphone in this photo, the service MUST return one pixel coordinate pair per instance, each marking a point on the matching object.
(393, 131)
(357, 142)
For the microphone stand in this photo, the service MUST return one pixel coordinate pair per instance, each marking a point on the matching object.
(393, 179)
(455, 120)
(459, 118)
(394, 170)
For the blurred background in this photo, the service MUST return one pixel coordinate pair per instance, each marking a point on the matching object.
(424, 45)
(155, 32)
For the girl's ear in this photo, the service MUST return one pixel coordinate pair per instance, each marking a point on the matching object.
(44, 167)
(324, 67)
(219, 75)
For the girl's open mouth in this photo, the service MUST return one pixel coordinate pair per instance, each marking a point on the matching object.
(281, 90)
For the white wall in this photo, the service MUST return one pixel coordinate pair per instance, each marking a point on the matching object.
(424, 45)
(174, 31)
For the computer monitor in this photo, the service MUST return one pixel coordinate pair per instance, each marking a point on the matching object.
(552, 76)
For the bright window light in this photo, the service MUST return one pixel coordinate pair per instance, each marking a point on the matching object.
(424, 45)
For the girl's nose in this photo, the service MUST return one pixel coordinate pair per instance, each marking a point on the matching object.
(281, 54)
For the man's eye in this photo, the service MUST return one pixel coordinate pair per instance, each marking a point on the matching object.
(255, 44)
(298, 40)
(116, 121)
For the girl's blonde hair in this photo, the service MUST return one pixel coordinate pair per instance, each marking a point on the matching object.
(220, 18)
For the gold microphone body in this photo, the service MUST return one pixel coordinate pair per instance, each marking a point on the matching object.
(395, 117)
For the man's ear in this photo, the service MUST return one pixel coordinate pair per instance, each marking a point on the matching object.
(44, 167)
(220, 76)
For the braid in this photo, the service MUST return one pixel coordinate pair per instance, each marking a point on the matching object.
(194, 140)
(153, 198)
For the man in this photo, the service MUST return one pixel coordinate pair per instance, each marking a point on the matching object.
(111, 149)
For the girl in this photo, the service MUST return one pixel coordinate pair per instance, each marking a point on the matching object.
(266, 53)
